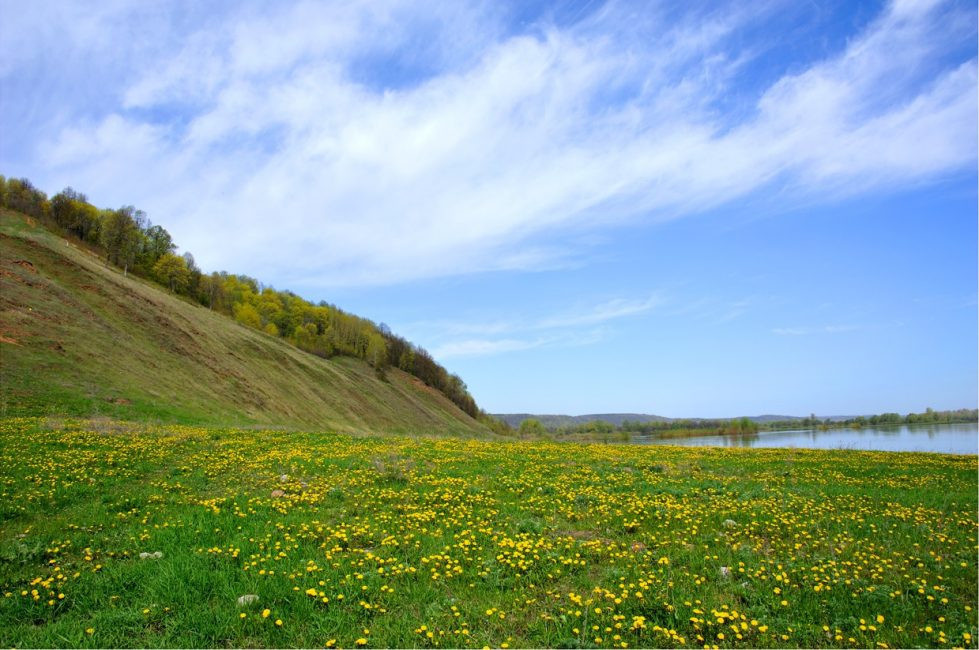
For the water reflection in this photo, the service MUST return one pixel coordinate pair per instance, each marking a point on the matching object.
(941, 438)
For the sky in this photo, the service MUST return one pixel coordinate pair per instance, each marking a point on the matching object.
(703, 209)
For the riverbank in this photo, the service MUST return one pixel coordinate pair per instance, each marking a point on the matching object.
(956, 438)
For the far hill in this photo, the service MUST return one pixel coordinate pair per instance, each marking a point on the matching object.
(639, 422)
(616, 419)
(78, 338)
(559, 421)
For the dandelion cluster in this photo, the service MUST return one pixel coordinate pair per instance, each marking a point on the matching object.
(319, 539)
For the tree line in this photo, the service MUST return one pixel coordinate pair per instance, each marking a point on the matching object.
(929, 416)
(126, 238)
(736, 426)
(739, 426)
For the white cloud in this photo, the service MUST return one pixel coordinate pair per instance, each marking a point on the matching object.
(613, 309)
(274, 131)
(734, 311)
(484, 347)
(567, 328)
(824, 329)
(488, 347)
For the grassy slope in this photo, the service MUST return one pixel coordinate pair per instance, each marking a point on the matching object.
(78, 338)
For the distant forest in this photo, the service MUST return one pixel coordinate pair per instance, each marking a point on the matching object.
(128, 239)
(741, 426)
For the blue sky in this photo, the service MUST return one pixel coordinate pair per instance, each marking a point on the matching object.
(690, 209)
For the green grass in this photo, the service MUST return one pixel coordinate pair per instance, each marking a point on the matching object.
(79, 339)
(478, 543)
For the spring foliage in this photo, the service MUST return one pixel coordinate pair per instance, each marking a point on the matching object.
(126, 238)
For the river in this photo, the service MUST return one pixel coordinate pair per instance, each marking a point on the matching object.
(940, 438)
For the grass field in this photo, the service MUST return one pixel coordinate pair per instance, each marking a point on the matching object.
(388, 541)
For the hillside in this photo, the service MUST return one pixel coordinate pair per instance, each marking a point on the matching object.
(79, 338)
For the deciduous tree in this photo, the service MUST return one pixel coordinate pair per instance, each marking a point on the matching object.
(171, 270)
(121, 237)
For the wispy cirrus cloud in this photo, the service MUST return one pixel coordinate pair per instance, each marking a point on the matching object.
(385, 142)
(823, 329)
(487, 347)
(484, 347)
(566, 328)
(606, 311)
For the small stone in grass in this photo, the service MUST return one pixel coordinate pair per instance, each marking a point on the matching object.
(247, 599)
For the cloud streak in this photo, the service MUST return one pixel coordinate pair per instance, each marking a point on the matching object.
(490, 347)
(564, 329)
(379, 143)
(806, 331)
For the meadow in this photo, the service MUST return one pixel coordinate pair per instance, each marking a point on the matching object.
(123, 534)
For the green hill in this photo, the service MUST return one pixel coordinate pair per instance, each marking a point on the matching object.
(78, 338)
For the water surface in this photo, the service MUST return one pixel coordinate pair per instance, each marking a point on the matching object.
(941, 438)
